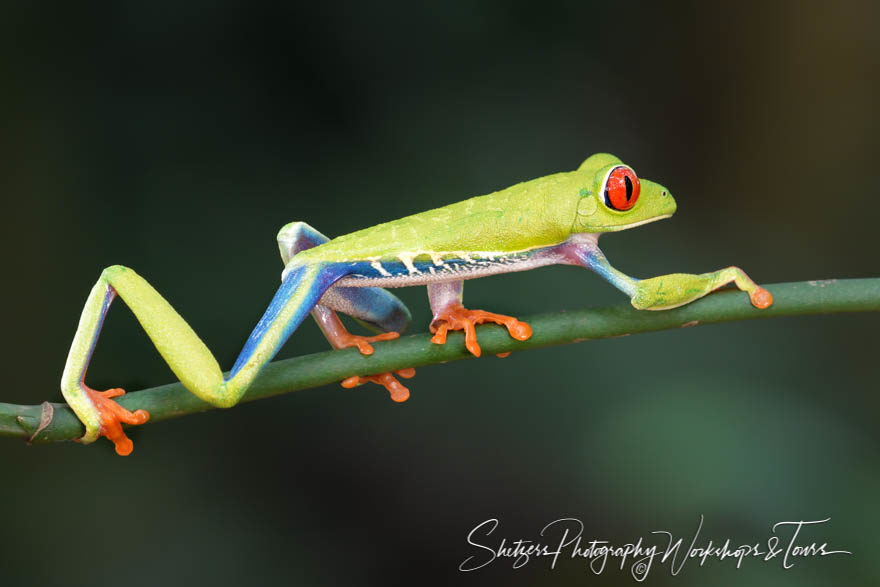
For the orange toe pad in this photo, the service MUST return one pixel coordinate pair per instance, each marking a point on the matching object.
(363, 342)
(112, 416)
(457, 317)
(398, 391)
(761, 298)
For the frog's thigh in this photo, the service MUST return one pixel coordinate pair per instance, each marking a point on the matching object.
(374, 306)
(297, 236)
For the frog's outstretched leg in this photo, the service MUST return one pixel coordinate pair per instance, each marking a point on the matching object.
(180, 346)
(450, 314)
(374, 307)
(664, 291)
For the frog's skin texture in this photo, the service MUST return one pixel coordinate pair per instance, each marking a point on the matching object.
(546, 221)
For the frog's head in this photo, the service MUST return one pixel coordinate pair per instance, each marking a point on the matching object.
(614, 198)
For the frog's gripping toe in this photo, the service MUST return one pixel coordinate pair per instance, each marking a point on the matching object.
(362, 343)
(112, 416)
(761, 298)
(458, 317)
(398, 391)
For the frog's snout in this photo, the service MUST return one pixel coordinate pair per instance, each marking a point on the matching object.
(667, 202)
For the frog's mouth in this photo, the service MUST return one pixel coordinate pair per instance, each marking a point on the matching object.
(634, 224)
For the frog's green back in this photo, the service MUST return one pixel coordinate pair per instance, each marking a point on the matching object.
(531, 214)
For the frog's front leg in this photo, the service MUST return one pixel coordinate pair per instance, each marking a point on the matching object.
(677, 289)
(664, 291)
(450, 314)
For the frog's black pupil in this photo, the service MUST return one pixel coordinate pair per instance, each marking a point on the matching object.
(629, 187)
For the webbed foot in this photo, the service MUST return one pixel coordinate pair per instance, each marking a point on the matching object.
(112, 416)
(398, 391)
(347, 339)
(457, 317)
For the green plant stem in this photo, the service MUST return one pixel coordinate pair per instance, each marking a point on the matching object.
(169, 401)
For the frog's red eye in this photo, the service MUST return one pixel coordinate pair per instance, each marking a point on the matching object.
(621, 189)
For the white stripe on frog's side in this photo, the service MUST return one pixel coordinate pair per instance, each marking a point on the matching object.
(439, 258)
(407, 260)
(455, 266)
(377, 265)
(460, 265)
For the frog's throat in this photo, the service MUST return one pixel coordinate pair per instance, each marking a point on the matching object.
(632, 225)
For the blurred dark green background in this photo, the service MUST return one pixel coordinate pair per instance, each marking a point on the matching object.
(177, 137)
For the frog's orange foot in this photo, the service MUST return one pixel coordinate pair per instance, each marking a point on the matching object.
(398, 391)
(346, 339)
(112, 416)
(761, 298)
(457, 317)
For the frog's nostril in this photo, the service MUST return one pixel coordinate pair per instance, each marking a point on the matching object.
(663, 193)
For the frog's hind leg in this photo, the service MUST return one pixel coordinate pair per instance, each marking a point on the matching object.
(339, 337)
(374, 307)
(450, 314)
(180, 347)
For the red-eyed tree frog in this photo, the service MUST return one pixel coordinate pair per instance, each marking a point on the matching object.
(555, 219)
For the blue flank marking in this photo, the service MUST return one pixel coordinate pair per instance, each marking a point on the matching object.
(398, 269)
(315, 288)
(366, 269)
